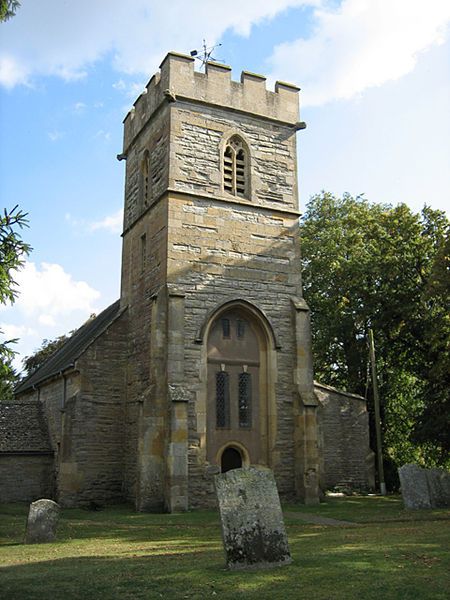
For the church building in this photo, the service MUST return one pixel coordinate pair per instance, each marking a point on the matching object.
(204, 363)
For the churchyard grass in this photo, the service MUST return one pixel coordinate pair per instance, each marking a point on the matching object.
(117, 554)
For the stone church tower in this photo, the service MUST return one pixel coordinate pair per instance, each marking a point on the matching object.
(204, 364)
(220, 368)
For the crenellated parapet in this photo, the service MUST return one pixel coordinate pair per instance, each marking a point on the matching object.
(178, 81)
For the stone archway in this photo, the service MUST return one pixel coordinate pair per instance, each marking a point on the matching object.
(238, 387)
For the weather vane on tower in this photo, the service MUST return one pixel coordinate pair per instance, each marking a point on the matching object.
(205, 55)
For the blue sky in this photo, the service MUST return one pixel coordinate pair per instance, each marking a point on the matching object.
(375, 79)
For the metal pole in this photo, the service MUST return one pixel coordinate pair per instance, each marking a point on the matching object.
(376, 402)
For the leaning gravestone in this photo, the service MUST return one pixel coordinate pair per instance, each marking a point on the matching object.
(252, 522)
(42, 522)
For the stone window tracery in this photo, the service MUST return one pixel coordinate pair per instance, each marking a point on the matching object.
(222, 400)
(245, 400)
(235, 167)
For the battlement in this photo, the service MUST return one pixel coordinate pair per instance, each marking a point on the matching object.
(177, 80)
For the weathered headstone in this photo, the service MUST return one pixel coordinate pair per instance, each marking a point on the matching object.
(424, 488)
(252, 522)
(439, 487)
(42, 521)
(414, 487)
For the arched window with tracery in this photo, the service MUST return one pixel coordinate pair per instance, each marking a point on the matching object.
(235, 167)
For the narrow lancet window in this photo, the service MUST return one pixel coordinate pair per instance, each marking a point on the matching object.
(222, 400)
(145, 174)
(235, 168)
(225, 328)
(143, 252)
(245, 400)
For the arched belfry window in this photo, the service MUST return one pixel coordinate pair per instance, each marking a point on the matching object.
(235, 167)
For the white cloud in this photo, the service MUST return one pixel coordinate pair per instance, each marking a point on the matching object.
(79, 107)
(50, 302)
(55, 135)
(10, 331)
(361, 44)
(65, 38)
(47, 320)
(104, 135)
(12, 72)
(112, 223)
(49, 292)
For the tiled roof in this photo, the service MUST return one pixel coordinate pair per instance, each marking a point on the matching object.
(65, 356)
(23, 428)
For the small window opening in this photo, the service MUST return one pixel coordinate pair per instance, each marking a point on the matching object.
(245, 400)
(240, 328)
(145, 169)
(143, 252)
(226, 328)
(222, 400)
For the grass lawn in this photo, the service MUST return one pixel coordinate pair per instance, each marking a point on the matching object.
(116, 553)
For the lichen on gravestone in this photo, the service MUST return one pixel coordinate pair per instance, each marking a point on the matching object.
(252, 521)
(42, 522)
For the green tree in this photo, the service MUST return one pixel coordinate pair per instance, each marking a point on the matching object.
(433, 423)
(8, 9)
(371, 265)
(48, 347)
(13, 251)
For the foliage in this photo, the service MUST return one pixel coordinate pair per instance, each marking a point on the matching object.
(374, 265)
(8, 377)
(434, 422)
(48, 347)
(119, 554)
(13, 251)
(8, 9)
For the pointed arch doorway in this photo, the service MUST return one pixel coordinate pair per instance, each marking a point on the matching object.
(237, 390)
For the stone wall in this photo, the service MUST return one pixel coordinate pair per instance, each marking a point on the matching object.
(198, 136)
(217, 252)
(52, 395)
(177, 80)
(26, 458)
(142, 277)
(346, 457)
(26, 477)
(153, 138)
(93, 430)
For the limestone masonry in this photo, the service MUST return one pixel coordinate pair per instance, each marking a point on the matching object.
(204, 365)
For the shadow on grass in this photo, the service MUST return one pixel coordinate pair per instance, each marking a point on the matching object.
(117, 553)
(328, 564)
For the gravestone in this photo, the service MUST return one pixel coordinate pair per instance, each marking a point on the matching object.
(414, 487)
(439, 487)
(252, 522)
(424, 488)
(42, 521)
